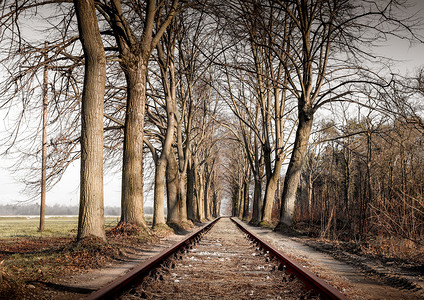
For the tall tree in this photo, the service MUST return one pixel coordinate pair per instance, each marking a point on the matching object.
(165, 50)
(136, 39)
(91, 215)
(330, 64)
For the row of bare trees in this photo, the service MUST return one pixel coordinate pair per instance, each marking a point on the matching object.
(145, 87)
(217, 95)
(292, 60)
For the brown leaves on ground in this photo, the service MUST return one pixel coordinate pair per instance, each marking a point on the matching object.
(128, 229)
(26, 260)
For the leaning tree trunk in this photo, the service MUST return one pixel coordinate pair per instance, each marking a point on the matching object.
(91, 212)
(294, 169)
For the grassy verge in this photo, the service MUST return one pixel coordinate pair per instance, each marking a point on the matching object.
(13, 227)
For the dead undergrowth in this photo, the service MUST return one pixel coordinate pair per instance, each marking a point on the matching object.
(26, 260)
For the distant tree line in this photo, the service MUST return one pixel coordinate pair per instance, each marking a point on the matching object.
(57, 210)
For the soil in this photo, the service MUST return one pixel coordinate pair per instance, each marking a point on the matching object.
(76, 274)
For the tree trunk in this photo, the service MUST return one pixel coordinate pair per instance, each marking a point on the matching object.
(173, 216)
(207, 195)
(292, 178)
(199, 187)
(182, 197)
(91, 212)
(310, 195)
(206, 202)
(190, 192)
(257, 196)
(267, 203)
(240, 200)
(132, 170)
(270, 192)
(347, 181)
(257, 201)
(246, 201)
(159, 192)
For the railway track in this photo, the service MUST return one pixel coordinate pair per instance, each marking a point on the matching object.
(222, 260)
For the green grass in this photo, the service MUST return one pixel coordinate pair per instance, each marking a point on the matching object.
(12, 227)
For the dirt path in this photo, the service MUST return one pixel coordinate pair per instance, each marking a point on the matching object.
(349, 279)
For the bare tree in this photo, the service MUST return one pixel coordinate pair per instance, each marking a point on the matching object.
(167, 77)
(330, 64)
(24, 58)
(91, 215)
(137, 32)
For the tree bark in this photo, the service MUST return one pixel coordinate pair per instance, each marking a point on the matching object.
(257, 196)
(132, 170)
(172, 182)
(208, 192)
(240, 200)
(91, 213)
(182, 197)
(199, 188)
(294, 169)
(257, 202)
(270, 191)
(135, 51)
(246, 200)
(190, 192)
(161, 167)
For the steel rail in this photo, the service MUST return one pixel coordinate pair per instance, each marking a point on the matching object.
(111, 290)
(310, 280)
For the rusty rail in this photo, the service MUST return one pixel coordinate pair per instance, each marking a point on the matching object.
(111, 290)
(136, 275)
(310, 280)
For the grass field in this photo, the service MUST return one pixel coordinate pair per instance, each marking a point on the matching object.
(12, 227)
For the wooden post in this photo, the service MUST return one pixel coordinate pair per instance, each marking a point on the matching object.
(44, 141)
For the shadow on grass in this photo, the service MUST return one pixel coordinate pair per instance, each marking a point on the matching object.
(62, 287)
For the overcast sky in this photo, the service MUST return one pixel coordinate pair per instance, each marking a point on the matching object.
(66, 192)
